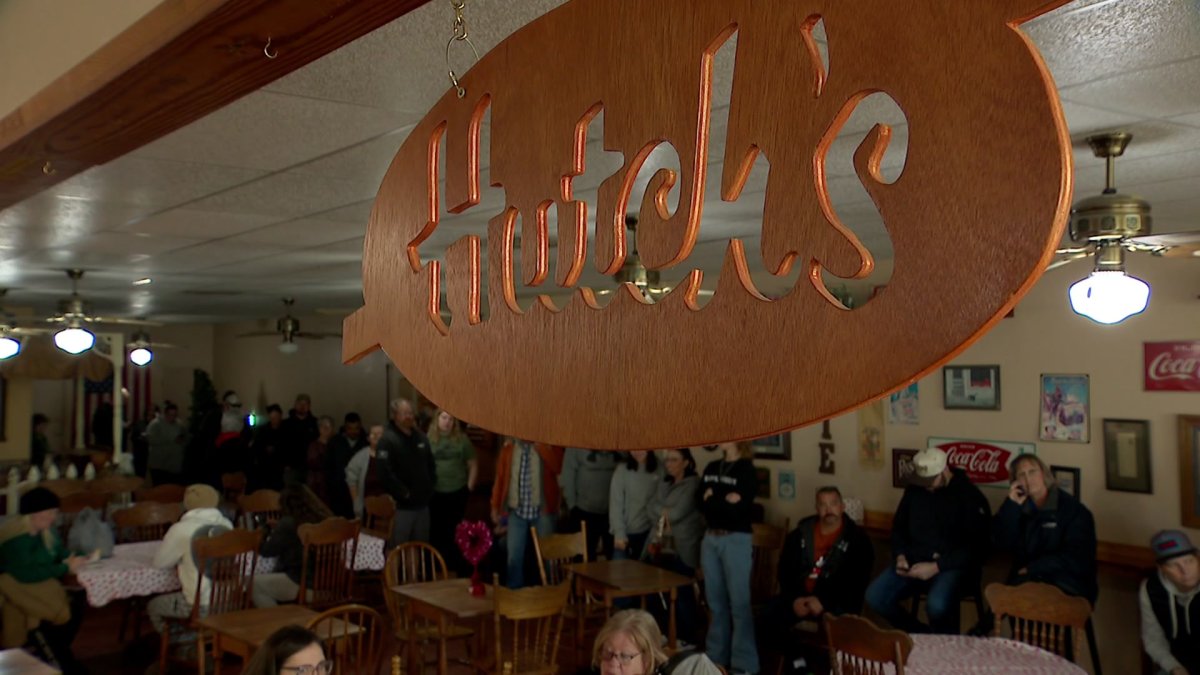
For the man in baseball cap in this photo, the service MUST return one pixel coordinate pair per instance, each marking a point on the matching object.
(1170, 609)
(939, 539)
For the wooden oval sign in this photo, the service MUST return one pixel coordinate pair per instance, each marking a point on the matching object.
(974, 216)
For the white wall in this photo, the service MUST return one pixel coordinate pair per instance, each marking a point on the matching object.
(1043, 337)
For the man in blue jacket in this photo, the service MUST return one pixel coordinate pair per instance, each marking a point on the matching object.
(1050, 534)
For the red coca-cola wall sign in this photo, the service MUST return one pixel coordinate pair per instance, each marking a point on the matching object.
(986, 462)
(1173, 366)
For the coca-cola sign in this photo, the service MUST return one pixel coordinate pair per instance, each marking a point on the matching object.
(986, 462)
(1172, 366)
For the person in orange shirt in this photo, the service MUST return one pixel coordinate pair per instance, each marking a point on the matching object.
(525, 495)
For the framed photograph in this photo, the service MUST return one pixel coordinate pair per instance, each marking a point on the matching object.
(763, 474)
(1189, 469)
(1067, 479)
(971, 387)
(904, 406)
(902, 466)
(778, 446)
(1127, 456)
(1065, 414)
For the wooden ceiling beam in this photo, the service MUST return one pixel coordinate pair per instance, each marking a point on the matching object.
(181, 61)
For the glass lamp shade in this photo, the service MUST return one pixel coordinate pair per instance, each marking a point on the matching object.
(288, 348)
(9, 347)
(141, 356)
(74, 340)
(1109, 297)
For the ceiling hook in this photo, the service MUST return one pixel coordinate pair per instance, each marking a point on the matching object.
(267, 50)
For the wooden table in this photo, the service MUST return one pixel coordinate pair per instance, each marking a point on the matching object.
(19, 662)
(625, 579)
(242, 632)
(445, 603)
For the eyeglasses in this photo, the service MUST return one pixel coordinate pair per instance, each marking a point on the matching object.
(322, 668)
(622, 659)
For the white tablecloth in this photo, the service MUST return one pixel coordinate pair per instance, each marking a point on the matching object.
(956, 654)
(129, 572)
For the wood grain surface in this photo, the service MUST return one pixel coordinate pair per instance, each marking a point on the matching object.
(974, 216)
(181, 61)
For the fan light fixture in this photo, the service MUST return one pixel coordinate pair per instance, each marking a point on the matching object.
(141, 356)
(9, 347)
(74, 340)
(288, 347)
(1108, 295)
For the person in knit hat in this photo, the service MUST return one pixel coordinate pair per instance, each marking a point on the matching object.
(200, 503)
(1170, 610)
(36, 607)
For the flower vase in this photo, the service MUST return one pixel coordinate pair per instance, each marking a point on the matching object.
(477, 588)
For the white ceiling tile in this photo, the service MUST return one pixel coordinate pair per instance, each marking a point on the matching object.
(1165, 91)
(207, 255)
(273, 131)
(303, 233)
(289, 194)
(196, 224)
(69, 217)
(1191, 120)
(152, 182)
(358, 212)
(1081, 43)
(1083, 120)
(365, 162)
(128, 243)
(64, 257)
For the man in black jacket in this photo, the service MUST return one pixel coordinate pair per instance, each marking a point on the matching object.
(342, 448)
(1168, 604)
(824, 568)
(939, 540)
(1051, 535)
(299, 430)
(406, 469)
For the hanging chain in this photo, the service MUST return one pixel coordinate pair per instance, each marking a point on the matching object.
(460, 35)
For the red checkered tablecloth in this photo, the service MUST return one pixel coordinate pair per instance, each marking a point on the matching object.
(957, 654)
(130, 571)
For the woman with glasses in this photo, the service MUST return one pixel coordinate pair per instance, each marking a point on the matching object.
(631, 644)
(291, 650)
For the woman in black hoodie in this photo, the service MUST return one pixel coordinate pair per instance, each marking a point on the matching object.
(727, 493)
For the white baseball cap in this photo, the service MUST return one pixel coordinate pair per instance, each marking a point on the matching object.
(928, 464)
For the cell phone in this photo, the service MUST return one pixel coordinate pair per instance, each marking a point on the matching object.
(1020, 491)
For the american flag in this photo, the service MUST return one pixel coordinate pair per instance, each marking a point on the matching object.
(135, 380)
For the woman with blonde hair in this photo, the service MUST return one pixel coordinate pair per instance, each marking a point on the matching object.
(727, 495)
(631, 644)
(455, 474)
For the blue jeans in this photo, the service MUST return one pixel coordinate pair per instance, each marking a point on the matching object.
(726, 561)
(944, 591)
(517, 543)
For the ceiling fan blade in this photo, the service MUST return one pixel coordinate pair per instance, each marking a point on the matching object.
(260, 333)
(1066, 259)
(1177, 244)
(316, 336)
(123, 322)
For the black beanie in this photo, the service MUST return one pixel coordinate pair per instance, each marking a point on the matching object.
(37, 500)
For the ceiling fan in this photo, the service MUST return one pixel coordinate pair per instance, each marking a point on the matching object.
(649, 282)
(74, 314)
(1107, 225)
(11, 332)
(288, 327)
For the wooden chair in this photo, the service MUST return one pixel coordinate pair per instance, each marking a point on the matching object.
(116, 487)
(260, 507)
(529, 621)
(227, 561)
(352, 636)
(168, 493)
(330, 547)
(412, 563)
(379, 511)
(70, 506)
(146, 521)
(858, 647)
(767, 544)
(233, 486)
(64, 486)
(556, 551)
(1041, 615)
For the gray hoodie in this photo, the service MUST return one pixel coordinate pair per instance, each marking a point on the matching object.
(628, 500)
(1155, 641)
(682, 508)
(585, 478)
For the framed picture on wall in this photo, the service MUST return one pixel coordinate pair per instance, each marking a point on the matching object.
(902, 466)
(971, 387)
(1065, 413)
(778, 446)
(1127, 456)
(1189, 469)
(1067, 479)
